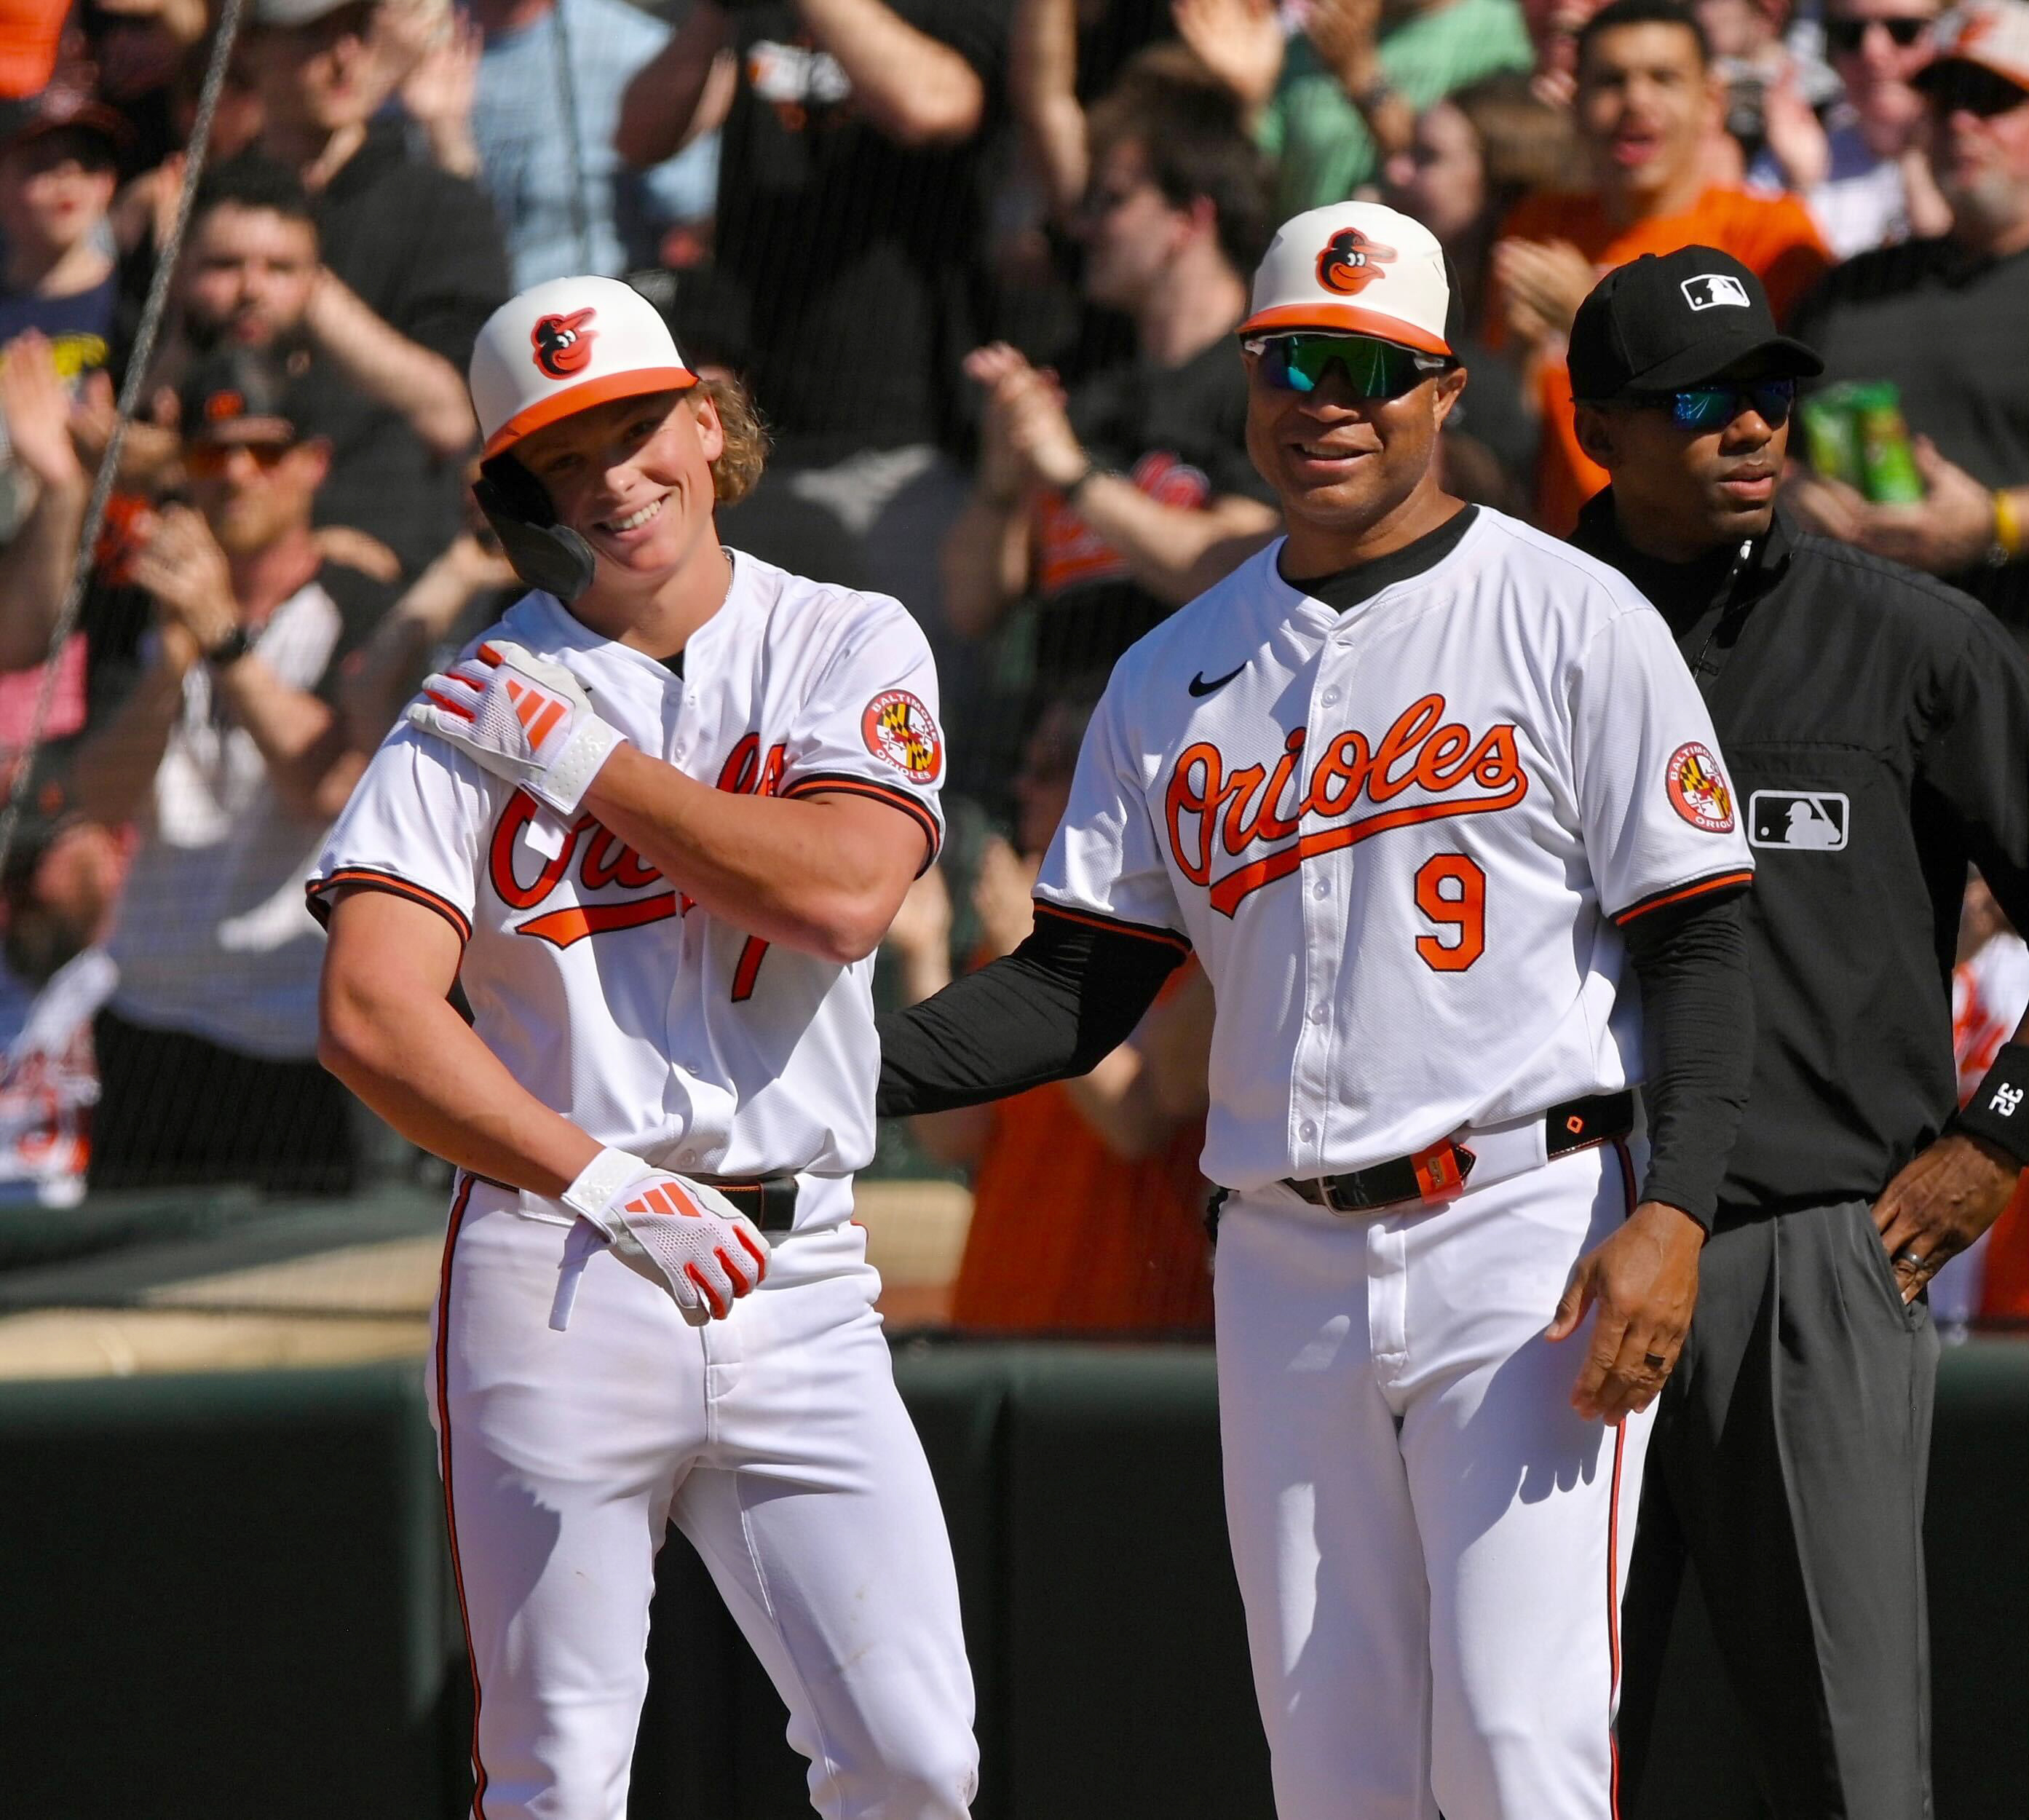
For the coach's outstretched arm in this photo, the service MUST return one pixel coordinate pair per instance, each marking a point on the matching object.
(1064, 1000)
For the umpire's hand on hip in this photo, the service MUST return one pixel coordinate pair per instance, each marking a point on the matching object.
(1940, 1201)
(1645, 1281)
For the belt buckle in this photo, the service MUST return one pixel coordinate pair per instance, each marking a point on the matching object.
(1441, 1171)
(1328, 1195)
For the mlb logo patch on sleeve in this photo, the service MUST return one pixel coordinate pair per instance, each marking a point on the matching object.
(1808, 821)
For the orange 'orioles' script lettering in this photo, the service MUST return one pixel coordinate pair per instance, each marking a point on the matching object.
(604, 859)
(1211, 807)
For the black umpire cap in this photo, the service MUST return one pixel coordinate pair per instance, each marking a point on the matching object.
(1666, 321)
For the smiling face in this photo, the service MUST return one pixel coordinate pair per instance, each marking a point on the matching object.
(1679, 492)
(1342, 465)
(1645, 97)
(633, 479)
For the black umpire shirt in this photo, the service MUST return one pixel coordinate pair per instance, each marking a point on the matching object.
(1874, 725)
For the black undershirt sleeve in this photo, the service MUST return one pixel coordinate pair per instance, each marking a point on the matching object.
(1697, 1022)
(1062, 1003)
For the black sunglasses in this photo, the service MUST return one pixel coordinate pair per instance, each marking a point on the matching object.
(1967, 88)
(1844, 36)
(1712, 407)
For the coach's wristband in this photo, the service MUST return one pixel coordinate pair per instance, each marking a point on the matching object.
(1996, 1110)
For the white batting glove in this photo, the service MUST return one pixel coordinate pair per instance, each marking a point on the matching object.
(685, 1238)
(523, 719)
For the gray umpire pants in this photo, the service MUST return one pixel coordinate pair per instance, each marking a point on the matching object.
(1788, 1462)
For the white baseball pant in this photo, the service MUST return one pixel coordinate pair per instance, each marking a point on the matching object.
(774, 1439)
(1431, 1544)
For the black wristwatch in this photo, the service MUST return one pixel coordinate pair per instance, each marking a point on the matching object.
(230, 649)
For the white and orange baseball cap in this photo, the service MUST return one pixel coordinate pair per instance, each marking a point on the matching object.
(1992, 33)
(1354, 269)
(563, 347)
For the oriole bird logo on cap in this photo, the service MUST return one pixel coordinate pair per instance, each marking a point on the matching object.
(1350, 262)
(563, 343)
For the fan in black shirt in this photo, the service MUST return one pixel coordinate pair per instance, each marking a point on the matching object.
(1944, 319)
(1112, 508)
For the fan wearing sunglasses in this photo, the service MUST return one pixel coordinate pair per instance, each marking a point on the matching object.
(1873, 721)
(1875, 187)
(1942, 318)
(226, 752)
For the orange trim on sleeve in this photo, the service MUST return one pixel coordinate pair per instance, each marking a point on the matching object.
(844, 783)
(369, 879)
(1719, 882)
(1167, 938)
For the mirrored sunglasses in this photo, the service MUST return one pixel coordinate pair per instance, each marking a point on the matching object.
(1712, 407)
(1371, 368)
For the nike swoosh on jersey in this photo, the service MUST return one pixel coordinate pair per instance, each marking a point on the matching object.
(1200, 686)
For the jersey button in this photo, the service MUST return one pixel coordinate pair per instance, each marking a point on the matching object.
(1331, 696)
(1318, 1013)
(1321, 888)
(1306, 1131)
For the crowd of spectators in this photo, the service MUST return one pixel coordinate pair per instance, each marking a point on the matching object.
(979, 261)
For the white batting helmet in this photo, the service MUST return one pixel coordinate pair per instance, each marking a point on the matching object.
(1356, 267)
(563, 347)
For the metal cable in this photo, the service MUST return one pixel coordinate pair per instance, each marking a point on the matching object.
(573, 144)
(138, 363)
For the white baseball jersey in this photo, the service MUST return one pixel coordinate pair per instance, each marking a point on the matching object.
(657, 1027)
(1399, 840)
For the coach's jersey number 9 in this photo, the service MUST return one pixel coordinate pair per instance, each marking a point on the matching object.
(1451, 891)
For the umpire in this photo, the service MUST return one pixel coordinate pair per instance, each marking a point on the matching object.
(1876, 725)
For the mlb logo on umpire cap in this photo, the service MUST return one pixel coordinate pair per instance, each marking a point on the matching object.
(1715, 290)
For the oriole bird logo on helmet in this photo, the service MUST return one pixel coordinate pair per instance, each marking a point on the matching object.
(1350, 262)
(563, 343)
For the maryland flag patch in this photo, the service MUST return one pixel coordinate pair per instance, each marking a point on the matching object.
(1698, 789)
(898, 727)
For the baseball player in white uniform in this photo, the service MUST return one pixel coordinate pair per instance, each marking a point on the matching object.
(1421, 787)
(656, 824)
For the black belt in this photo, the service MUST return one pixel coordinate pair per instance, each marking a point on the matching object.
(769, 1201)
(1443, 1170)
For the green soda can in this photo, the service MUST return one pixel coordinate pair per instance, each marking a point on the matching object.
(1887, 464)
(1831, 434)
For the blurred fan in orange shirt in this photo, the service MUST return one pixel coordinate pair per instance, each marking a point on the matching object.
(1647, 101)
(1087, 1202)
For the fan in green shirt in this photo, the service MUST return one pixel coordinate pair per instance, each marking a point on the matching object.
(1315, 134)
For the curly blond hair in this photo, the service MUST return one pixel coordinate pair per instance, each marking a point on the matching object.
(738, 469)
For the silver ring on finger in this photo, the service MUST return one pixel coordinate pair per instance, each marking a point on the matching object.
(1909, 1259)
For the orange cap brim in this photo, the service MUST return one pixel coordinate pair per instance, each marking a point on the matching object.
(602, 390)
(1344, 319)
